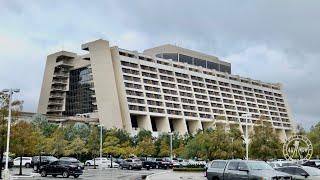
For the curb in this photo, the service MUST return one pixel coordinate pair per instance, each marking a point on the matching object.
(156, 174)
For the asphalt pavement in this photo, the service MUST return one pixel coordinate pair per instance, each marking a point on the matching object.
(91, 174)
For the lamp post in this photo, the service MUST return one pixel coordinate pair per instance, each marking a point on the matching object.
(246, 138)
(10, 91)
(170, 134)
(101, 126)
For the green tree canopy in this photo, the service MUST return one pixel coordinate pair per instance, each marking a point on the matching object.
(265, 143)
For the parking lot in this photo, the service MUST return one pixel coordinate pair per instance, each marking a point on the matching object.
(94, 174)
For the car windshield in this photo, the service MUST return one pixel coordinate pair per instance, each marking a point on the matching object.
(259, 166)
(312, 171)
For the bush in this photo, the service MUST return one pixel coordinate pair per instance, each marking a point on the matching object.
(190, 169)
(194, 166)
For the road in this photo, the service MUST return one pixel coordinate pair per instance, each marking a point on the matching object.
(94, 174)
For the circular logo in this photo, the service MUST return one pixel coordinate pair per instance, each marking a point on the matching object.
(297, 147)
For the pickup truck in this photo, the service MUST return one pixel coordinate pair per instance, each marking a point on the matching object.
(241, 169)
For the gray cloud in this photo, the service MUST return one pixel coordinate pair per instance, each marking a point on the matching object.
(274, 41)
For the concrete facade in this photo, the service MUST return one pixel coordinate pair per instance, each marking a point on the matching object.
(147, 90)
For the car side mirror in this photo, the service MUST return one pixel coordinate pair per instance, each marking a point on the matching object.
(304, 174)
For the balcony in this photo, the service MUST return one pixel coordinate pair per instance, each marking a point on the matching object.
(55, 102)
(57, 95)
(66, 64)
(61, 74)
(59, 81)
(59, 88)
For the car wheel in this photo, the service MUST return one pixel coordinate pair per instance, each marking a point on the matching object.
(88, 164)
(130, 167)
(76, 176)
(27, 165)
(54, 175)
(65, 174)
(43, 173)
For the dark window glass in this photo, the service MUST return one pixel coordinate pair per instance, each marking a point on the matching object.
(200, 62)
(173, 56)
(233, 166)
(159, 55)
(185, 59)
(224, 68)
(79, 97)
(218, 164)
(298, 171)
(212, 65)
(242, 165)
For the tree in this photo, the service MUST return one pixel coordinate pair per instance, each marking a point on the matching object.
(117, 143)
(314, 137)
(93, 143)
(41, 123)
(22, 140)
(164, 148)
(76, 147)
(265, 143)
(142, 134)
(145, 147)
(57, 143)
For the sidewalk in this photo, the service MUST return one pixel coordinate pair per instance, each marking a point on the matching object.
(177, 176)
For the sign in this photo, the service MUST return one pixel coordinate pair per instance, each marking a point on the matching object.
(297, 147)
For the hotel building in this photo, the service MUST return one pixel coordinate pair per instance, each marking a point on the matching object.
(163, 89)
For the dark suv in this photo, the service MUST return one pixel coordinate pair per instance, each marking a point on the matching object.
(163, 163)
(35, 162)
(64, 168)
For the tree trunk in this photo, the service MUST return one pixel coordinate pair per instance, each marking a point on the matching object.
(20, 170)
(1, 159)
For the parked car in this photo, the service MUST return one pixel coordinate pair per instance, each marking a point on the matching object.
(148, 163)
(98, 161)
(310, 164)
(301, 172)
(73, 161)
(10, 163)
(26, 161)
(131, 164)
(240, 169)
(35, 162)
(103, 162)
(59, 167)
(277, 164)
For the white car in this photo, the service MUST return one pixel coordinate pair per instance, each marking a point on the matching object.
(26, 161)
(103, 162)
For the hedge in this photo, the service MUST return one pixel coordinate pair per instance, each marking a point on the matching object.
(190, 169)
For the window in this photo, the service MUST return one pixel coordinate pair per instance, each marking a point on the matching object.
(224, 68)
(233, 166)
(218, 164)
(242, 165)
(173, 56)
(200, 62)
(185, 59)
(212, 65)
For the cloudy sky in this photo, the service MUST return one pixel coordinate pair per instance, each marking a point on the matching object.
(271, 40)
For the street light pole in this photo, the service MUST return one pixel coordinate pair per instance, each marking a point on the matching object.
(10, 91)
(170, 134)
(246, 138)
(100, 141)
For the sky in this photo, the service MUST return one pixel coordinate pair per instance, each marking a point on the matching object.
(269, 40)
